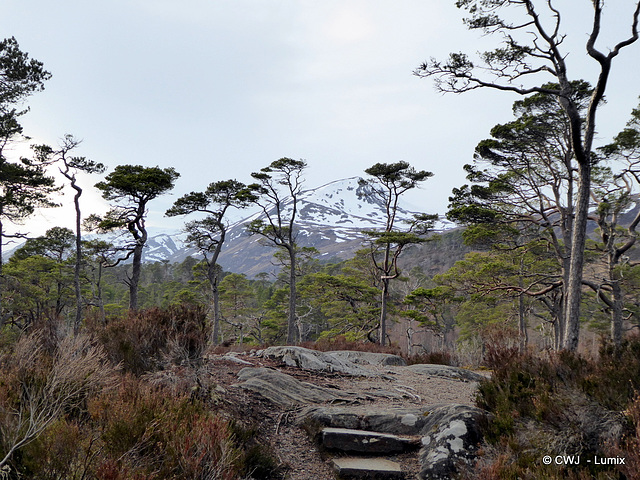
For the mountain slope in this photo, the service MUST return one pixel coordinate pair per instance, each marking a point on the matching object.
(330, 218)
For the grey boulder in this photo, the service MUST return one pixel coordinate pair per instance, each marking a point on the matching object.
(451, 436)
(366, 442)
(395, 420)
(367, 468)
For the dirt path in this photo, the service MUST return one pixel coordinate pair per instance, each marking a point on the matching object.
(300, 456)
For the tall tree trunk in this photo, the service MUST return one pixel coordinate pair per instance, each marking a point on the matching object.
(522, 324)
(2, 315)
(522, 321)
(77, 267)
(383, 311)
(135, 276)
(103, 315)
(574, 288)
(386, 270)
(561, 306)
(213, 274)
(616, 314)
(616, 278)
(292, 333)
(617, 296)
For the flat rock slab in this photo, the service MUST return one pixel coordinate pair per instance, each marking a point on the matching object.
(361, 441)
(286, 391)
(396, 420)
(334, 362)
(374, 468)
(446, 371)
(368, 358)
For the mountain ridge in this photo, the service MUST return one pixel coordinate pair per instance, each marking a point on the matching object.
(330, 218)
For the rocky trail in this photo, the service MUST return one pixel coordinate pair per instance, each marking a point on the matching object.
(351, 414)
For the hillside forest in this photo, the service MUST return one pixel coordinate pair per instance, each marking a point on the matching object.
(544, 255)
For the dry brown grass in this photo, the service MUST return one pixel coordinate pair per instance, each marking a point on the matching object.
(38, 387)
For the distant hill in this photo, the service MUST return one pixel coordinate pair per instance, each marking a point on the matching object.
(330, 218)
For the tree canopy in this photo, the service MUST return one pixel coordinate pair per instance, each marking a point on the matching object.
(531, 53)
(208, 234)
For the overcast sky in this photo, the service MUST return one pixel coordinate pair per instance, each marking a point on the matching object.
(220, 88)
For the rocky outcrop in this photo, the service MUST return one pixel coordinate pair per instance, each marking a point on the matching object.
(363, 441)
(368, 358)
(286, 391)
(450, 439)
(448, 435)
(347, 362)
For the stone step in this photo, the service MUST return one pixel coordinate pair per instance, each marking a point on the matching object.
(362, 441)
(369, 468)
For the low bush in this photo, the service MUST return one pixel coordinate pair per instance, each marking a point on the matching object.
(615, 377)
(146, 340)
(561, 404)
(60, 452)
(256, 461)
(145, 429)
(629, 447)
(38, 388)
(442, 357)
(500, 344)
(340, 342)
(58, 420)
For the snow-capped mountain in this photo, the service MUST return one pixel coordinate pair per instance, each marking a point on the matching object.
(330, 218)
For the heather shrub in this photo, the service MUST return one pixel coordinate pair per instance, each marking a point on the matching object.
(147, 340)
(256, 461)
(203, 448)
(340, 342)
(629, 447)
(492, 344)
(60, 452)
(615, 378)
(441, 357)
(127, 417)
(554, 404)
(259, 463)
(136, 431)
(500, 344)
(149, 433)
(38, 388)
